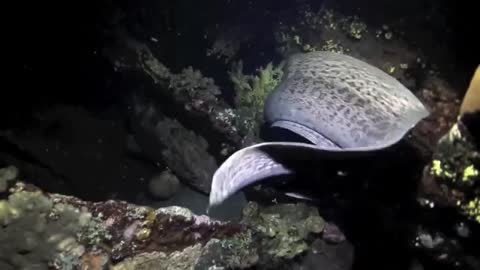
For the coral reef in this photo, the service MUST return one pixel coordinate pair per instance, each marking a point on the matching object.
(189, 89)
(7, 174)
(335, 26)
(162, 138)
(52, 231)
(285, 227)
(181, 260)
(196, 104)
(251, 92)
(228, 38)
(191, 84)
(39, 230)
(452, 176)
(450, 194)
(328, 29)
(443, 105)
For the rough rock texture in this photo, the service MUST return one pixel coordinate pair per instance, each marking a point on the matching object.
(42, 230)
(7, 174)
(198, 95)
(286, 227)
(193, 100)
(443, 104)
(449, 189)
(165, 139)
(181, 260)
(452, 177)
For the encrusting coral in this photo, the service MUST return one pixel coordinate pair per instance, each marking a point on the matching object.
(7, 174)
(52, 231)
(38, 231)
(251, 92)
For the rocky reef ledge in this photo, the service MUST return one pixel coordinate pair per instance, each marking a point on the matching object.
(50, 231)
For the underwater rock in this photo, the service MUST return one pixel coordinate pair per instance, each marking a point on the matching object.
(163, 185)
(181, 260)
(285, 226)
(326, 28)
(38, 230)
(333, 234)
(56, 231)
(438, 95)
(452, 176)
(197, 202)
(449, 195)
(239, 252)
(251, 92)
(7, 174)
(165, 139)
(324, 255)
(449, 189)
(445, 249)
(208, 125)
(195, 95)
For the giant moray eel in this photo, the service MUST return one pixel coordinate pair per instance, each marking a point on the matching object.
(345, 107)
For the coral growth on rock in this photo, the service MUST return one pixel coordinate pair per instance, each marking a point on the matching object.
(251, 92)
(452, 176)
(41, 230)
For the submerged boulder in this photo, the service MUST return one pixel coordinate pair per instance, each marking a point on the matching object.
(54, 231)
